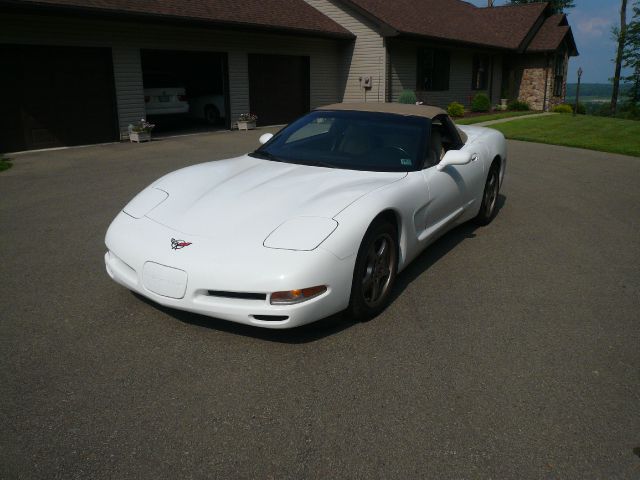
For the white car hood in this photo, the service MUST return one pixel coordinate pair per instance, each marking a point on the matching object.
(246, 198)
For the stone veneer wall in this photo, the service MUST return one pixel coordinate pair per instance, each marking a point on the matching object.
(534, 73)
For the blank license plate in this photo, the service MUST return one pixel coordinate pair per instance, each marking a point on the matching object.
(164, 98)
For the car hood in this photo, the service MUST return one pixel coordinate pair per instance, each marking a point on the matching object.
(245, 196)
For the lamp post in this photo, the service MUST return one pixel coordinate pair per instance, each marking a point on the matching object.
(575, 110)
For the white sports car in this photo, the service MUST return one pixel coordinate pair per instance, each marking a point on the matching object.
(319, 219)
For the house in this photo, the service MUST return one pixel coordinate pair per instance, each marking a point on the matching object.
(77, 69)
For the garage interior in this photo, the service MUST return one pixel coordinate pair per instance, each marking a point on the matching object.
(56, 96)
(202, 75)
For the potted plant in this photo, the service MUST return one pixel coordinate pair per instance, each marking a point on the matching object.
(140, 131)
(247, 121)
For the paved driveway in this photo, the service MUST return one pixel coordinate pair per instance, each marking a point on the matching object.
(511, 351)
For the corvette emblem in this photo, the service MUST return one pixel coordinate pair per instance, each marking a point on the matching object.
(178, 244)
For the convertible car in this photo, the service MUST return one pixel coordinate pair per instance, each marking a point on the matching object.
(319, 219)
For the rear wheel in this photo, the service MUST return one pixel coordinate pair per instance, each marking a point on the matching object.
(375, 271)
(489, 197)
(211, 115)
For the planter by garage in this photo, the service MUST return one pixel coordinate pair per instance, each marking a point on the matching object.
(140, 136)
(246, 125)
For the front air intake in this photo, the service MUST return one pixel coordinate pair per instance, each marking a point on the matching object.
(240, 295)
(271, 318)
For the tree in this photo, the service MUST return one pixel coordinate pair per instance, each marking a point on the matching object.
(631, 55)
(557, 6)
(620, 33)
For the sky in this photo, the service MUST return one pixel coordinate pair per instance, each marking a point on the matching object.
(591, 22)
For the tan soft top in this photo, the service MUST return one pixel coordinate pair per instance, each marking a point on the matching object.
(396, 108)
(407, 110)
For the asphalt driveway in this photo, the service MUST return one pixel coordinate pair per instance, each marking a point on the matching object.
(511, 351)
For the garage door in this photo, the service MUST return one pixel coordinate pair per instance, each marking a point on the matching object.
(278, 87)
(56, 96)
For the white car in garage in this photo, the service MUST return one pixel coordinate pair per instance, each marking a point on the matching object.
(164, 95)
(319, 219)
(209, 108)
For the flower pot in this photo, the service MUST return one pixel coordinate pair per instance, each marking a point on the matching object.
(246, 125)
(140, 136)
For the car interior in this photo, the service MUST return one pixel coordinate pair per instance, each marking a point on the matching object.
(369, 143)
(442, 139)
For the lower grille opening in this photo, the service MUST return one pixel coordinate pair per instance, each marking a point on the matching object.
(242, 295)
(271, 318)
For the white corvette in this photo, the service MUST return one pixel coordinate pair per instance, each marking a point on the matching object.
(319, 219)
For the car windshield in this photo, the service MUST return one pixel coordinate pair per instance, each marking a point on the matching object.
(351, 140)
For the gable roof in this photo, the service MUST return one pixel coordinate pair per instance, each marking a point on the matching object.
(552, 33)
(283, 15)
(507, 27)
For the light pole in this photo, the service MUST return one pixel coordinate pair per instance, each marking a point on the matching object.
(575, 110)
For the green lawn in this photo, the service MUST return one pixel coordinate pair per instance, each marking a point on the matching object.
(583, 131)
(5, 164)
(491, 116)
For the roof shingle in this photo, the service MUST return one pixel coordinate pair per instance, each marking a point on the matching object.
(551, 34)
(288, 15)
(454, 20)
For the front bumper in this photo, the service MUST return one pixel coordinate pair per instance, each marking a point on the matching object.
(141, 259)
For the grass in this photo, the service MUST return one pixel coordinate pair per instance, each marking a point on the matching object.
(582, 131)
(491, 116)
(5, 164)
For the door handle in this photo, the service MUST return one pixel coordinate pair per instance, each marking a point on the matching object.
(474, 157)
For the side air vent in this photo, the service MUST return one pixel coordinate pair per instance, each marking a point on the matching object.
(241, 295)
(271, 318)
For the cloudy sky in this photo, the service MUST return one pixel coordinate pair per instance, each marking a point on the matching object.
(591, 21)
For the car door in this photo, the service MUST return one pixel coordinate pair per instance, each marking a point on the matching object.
(452, 189)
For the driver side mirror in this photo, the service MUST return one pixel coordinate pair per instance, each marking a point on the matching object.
(265, 137)
(454, 157)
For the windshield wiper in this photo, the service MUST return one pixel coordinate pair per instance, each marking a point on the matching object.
(265, 155)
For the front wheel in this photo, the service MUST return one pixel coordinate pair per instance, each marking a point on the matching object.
(489, 197)
(375, 271)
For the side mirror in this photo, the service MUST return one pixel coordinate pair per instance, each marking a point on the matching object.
(265, 137)
(454, 157)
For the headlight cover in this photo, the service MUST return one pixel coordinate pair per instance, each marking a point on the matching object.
(145, 201)
(301, 233)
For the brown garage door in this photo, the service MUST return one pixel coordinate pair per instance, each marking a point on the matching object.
(278, 87)
(56, 96)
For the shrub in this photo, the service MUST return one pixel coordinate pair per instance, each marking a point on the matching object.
(582, 110)
(408, 97)
(564, 108)
(480, 103)
(5, 163)
(455, 109)
(518, 106)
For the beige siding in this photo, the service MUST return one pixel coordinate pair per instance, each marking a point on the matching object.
(403, 64)
(127, 38)
(365, 56)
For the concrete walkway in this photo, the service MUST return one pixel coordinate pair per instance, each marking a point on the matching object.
(511, 119)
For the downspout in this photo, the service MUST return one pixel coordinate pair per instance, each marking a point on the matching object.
(491, 81)
(388, 90)
(546, 84)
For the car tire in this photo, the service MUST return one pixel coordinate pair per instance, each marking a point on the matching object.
(488, 208)
(211, 115)
(375, 271)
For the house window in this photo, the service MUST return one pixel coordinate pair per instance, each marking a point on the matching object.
(433, 69)
(558, 72)
(480, 75)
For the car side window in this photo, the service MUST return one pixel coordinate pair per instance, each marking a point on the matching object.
(442, 138)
